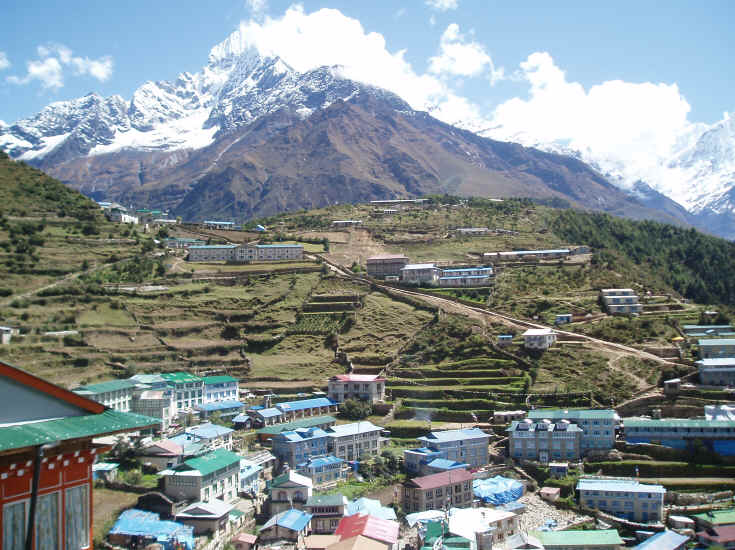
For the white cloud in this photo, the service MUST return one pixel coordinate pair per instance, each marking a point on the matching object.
(49, 69)
(327, 37)
(257, 7)
(4, 61)
(442, 5)
(460, 57)
(432, 20)
(636, 122)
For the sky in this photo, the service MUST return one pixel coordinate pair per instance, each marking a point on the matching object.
(614, 74)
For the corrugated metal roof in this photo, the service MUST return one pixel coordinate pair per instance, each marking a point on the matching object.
(316, 462)
(371, 507)
(618, 485)
(208, 430)
(72, 427)
(455, 435)
(369, 526)
(294, 520)
(327, 500)
(602, 537)
(213, 246)
(296, 424)
(446, 464)
(302, 434)
(665, 540)
(110, 385)
(353, 429)
(218, 379)
(572, 414)
(279, 246)
(210, 462)
(441, 479)
(180, 377)
(220, 405)
(716, 342)
(718, 517)
(288, 406)
(676, 423)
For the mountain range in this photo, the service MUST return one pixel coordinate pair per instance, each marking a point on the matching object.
(249, 136)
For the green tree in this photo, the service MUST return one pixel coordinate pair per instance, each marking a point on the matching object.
(356, 409)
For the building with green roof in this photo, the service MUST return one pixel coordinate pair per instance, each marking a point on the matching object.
(189, 389)
(326, 511)
(205, 478)
(115, 394)
(602, 539)
(680, 433)
(715, 518)
(220, 388)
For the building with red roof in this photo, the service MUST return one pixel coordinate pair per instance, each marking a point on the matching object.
(383, 530)
(367, 387)
(450, 489)
(723, 535)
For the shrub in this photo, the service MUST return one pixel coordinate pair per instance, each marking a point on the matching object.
(356, 409)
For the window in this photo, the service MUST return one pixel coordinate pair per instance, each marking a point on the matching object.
(47, 521)
(14, 526)
(77, 517)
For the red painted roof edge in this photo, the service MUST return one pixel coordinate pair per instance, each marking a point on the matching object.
(442, 478)
(28, 379)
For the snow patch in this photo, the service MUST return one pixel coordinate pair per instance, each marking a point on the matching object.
(49, 144)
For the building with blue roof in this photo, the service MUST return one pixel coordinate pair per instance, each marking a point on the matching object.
(442, 465)
(414, 460)
(226, 409)
(625, 498)
(719, 371)
(212, 436)
(297, 446)
(302, 408)
(468, 445)
(148, 528)
(324, 470)
(716, 347)
(290, 525)
(250, 482)
(665, 540)
(370, 507)
(266, 416)
(466, 276)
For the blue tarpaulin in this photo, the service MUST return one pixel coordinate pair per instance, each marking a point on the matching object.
(149, 526)
(497, 490)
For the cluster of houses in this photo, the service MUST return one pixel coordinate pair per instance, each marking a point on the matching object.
(245, 253)
(716, 344)
(396, 268)
(118, 213)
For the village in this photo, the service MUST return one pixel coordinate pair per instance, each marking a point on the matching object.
(215, 462)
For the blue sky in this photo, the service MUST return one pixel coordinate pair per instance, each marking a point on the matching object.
(113, 47)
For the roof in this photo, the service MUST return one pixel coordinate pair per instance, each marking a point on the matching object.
(211, 246)
(302, 404)
(210, 462)
(603, 537)
(370, 507)
(550, 490)
(387, 257)
(318, 461)
(220, 405)
(320, 542)
(105, 466)
(369, 526)
(721, 535)
(440, 480)
(218, 379)
(718, 517)
(302, 434)
(359, 542)
(167, 445)
(516, 426)
(463, 269)
(716, 342)
(409, 267)
(245, 537)
(296, 424)
(138, 522)
(677, 423)
(73, 427)
(248, 467)
(293, 477)
(352, 428)
(454, 435)
(665, 540)
(111, 385)
(552, 251)
(716, 362)
(327, 500)
(269, 412)
(208, 430)
(706, 327)
(180, 377)
(572, 414)
(294, 520)
(279, 246)
(221, 223)
(627, 485)
(538, 332)
(214, 509)
(446, 464)
(358, 377)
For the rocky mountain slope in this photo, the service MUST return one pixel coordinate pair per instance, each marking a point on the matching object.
(249, 136)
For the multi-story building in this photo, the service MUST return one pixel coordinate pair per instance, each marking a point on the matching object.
(385, 265)
(716, 347)
(466, 276)
(368, 387)
(620, 300)
(211, 436)
(216, 224)
(420, 274)
(115, 394)
(451, 489)
(245, 253)
(295, 447)
(304, 408)
(354, 441)
(471, 522)
(289, 490)
(522, 255)
(598, 426)
(326, 512)
(219, 388)
(717, 372)
(288, 525)
(227, 409)
(539, 338)
(544, 440)
(324, 470)
(215, 475)
(603, 539)
(680, 433)
(469, 445)
(251, 481)
(703, 331)
(625, 498)
(155, 403)
(267, 433)
(189, 389)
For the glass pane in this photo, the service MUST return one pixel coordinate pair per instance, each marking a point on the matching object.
(47, 522)
(77, 518)
(14, 526)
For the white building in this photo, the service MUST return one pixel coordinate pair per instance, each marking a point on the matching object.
(115, 394)
(620, 300)
(355, 440)
(246, 253)
(539, 338)
(219, 388)
(215, 475)
(420, 274)
(368, 387)
(625, 498)
(466, 277)
(718, 371)
(120, 215)
(156, 404)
